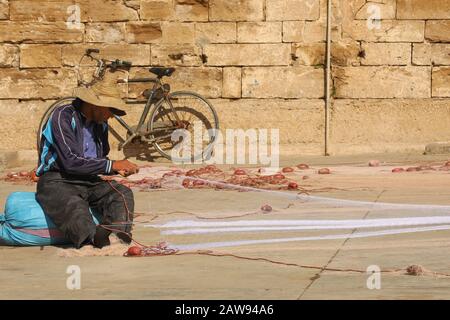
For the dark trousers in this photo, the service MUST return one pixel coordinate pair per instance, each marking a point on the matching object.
(66, 200)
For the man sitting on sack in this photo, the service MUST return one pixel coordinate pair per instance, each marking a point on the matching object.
(73, 153)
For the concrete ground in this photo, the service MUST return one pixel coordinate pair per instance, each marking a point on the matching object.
(40, 273)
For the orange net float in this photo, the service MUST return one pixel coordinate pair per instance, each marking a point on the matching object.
(160, 249)
(292, 186)
(22, 176)
(324, 171)
(287, 170)
(240, 172)
(266, 208)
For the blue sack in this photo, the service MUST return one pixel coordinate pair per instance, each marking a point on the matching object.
(24, 223)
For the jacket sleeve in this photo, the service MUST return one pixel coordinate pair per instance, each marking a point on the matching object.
(69, 156)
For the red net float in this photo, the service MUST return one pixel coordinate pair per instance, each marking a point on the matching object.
(397, 170)
(292, 186)
(324, 171)
(302, 166)
(197, 183)
(279, 176)
(287, 170)
(186, 183)
(266, 208)
(134, 251)
(239, 172)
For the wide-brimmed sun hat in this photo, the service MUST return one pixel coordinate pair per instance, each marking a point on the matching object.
(105, 94)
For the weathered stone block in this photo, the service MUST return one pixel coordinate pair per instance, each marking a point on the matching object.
(156, 10)
(236, 10)
(419, 9)
(215, 32)
(308, 54)
(282, 82)
(383, 10)
(280, 10)
(45, 32)
(187, 55)
(437, 30)
(342, 53)
(345, 53)
(247, 54)
(40, 56)
(421, 54)
(36, 83)
(138, 54)
(232, 82)
(305, 135)
(308, 31)
(375, 54)
(425, 54)
(387, 125)
(135, 4)
(205, 81)
(441, 82)
(191, 10)
(382, 82)
(64, 10)
(338, 11)
(174, 10)
(9, 55)
(293, 31)
(4, 9)
(105, 32)
(20, 117)
(174, 32)
(143, 32)
(389, 31)
(259, 32)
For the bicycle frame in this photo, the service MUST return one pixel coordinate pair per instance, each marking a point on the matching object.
(148, 105)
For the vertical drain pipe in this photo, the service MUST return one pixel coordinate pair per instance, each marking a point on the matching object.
(328, 79)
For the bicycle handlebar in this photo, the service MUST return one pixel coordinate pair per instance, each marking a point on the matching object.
(103, 65)
(119, 64)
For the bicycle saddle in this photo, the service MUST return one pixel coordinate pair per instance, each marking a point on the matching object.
(162, 72)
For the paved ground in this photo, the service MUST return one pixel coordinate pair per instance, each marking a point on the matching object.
(40, 273)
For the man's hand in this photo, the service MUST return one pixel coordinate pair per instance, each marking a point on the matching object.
(125, 167)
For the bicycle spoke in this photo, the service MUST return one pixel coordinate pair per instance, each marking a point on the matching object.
(193, 113)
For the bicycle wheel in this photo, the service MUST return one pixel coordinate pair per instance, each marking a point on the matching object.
(195, 116)
(47, 115)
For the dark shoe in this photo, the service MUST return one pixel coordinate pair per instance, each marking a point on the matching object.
(124, 237)
(101, 238)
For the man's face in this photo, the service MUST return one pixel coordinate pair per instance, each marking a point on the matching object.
(101, 114)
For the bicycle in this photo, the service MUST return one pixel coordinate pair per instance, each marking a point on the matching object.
(167, 112)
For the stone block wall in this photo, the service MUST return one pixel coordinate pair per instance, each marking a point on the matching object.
(260, 62)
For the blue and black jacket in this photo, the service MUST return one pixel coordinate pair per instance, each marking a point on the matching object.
(61, 147)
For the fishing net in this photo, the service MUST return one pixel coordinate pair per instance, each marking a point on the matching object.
(292, 208)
